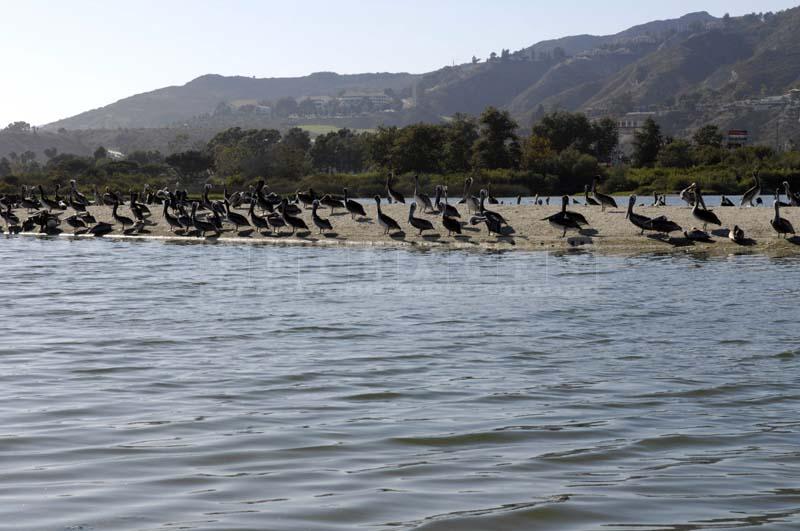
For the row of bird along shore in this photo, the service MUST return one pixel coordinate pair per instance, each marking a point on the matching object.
(589, 220)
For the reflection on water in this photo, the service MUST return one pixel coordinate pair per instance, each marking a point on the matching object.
(158, 386)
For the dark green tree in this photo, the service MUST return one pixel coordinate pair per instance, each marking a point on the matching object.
(459, 138)
(676, 154)
(5, 167)
(565, 129)
(605, 135)
(381, 147)
(647, 143)
(190, 164)
(100, 153)
(417, 148)
(708, 136)
(498, 144)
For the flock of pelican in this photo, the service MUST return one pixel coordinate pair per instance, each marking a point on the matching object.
(269, 212)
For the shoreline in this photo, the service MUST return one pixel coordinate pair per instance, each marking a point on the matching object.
(608, 232)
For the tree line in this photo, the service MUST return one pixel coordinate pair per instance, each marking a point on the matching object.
(561, 153)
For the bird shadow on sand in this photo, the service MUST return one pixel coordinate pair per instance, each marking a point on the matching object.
(669, 240)
(722, 233)
(588, 232)
(463, 238)
(331, 235)
(745, 242)
(245, 233)
(398, 235)
(339, 214)
(470, 229)
(505, 239)
(432, 237)
(795, 240)
(575, 241)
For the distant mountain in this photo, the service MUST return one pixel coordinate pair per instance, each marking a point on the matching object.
(171, 105)
(690, 67)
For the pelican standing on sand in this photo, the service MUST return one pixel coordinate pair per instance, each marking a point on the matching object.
(781, 225)
(603, 199)
(470, 200)
(423, 200)
(794, 199)
(354, 207)
(418, 223)
(385, 221)
(562, 220)
(394, 194)
(589, 200)
(702, 214)
(751, 194)
(659, 224)
(321, 223)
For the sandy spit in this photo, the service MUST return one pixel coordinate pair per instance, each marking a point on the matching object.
(609, 231)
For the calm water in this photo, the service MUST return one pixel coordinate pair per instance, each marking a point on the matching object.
(159, 386)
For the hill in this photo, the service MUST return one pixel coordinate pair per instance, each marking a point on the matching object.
(690, 70)
(171, 105)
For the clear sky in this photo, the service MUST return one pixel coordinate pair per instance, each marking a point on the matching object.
(62, 58)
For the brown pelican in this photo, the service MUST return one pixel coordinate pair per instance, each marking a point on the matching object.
(275, 221)
(562, 220)
(354, 207)
(640, 221)
(202, 225)
(331, 202)
(306, 198)
(489, 197)
(322, 224)
(751, 194)
(9, 217)
(235, 218)
(418, 223)
(687, 194)
(385, 221)
(75, 222)
(122, 220)
(470, 200)
(78, 197)
(778, 198)
(394, 194)
(47, 203)
(451, 210)
(451, 224)
(493, 221)
(781, 225)
(293, 221)
(259, 222)
(77, 206)
(171, 220)
(659, 224)
(101, 229)
(702, 214)
(439, 205)
(423, 200)
(589, 200)
(794, 199)
(603, 199)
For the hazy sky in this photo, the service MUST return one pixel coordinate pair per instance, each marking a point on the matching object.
(62, 58)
